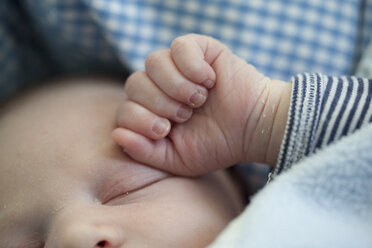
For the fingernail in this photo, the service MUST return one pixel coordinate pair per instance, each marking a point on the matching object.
(183, 113)
(159, 127)
(208, 83)
(197, 99)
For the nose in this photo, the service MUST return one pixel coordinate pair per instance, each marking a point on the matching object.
(88, 236)
(84, 230)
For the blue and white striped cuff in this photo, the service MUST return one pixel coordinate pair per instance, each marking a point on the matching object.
(323, 109)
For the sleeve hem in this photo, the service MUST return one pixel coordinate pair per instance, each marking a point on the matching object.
(303, 119)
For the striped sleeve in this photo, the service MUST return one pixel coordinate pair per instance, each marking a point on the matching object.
(323, 109)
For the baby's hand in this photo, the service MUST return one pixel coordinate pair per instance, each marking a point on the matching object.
(233, 125)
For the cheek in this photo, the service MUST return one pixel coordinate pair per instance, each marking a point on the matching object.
(178, 213)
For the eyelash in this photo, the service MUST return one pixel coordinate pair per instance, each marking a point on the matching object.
(116, 196)
(121, 196)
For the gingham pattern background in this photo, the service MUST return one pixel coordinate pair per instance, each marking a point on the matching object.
(281, 38)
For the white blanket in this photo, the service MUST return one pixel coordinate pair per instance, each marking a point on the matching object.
(324, 201)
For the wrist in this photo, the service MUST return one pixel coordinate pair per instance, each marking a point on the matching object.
(270, 112)
(279, 123)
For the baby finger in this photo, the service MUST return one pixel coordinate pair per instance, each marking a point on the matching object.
(141, 120)
(140, 89)
(162, 71)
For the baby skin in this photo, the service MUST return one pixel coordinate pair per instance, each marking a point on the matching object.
(199, 108)
(64, 183)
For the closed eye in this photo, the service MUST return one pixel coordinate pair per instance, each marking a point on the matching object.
(120, 194)
(125, 178)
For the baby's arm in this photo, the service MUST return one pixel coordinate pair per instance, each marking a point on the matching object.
(243, 118)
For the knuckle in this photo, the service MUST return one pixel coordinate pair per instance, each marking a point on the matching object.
(183, 40)
(153, 59)
(178, 45)
(130, 83)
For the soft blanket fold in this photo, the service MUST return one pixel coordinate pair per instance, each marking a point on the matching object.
(324, 201)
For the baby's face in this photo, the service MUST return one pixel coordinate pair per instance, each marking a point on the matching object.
(64, 183)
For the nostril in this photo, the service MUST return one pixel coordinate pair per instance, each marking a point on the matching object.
(102, 244)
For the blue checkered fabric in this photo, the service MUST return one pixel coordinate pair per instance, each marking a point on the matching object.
(281, 38)
(364, 49)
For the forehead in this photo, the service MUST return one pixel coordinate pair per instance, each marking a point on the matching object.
(62, 124)
(61, 114)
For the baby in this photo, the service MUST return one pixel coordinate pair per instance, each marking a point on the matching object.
(65, 183)
(198, 108)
